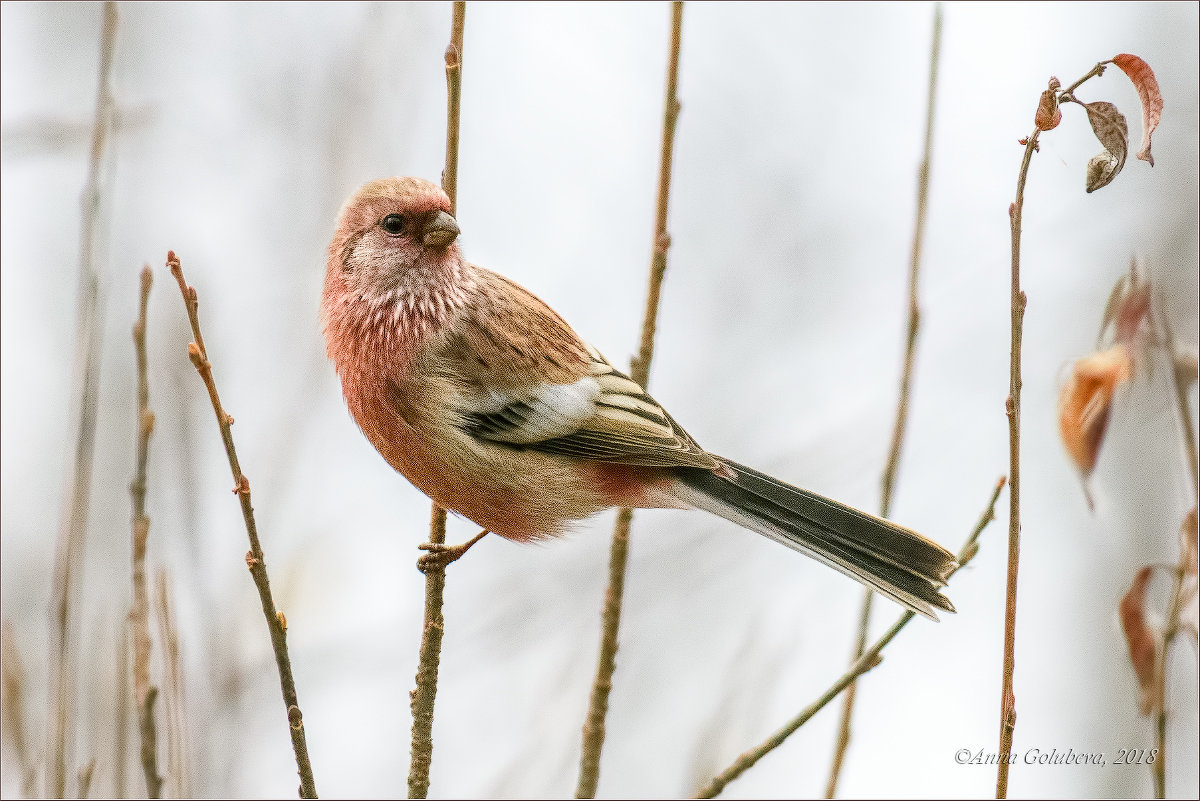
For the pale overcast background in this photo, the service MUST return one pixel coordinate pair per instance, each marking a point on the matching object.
(244, 126)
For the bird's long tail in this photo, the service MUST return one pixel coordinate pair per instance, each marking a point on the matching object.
(888, 558)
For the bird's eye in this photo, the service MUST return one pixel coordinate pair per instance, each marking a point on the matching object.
(392, 224)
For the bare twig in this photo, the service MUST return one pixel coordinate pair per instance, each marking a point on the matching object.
(85, 392)
(139, 617)
(255, 560)
(423, 696)
(425, 693)
(1008, 711)
(910, 349)
(148, 728)
(869, 659)
(1012, 407)
(12, 704)
(593, 727)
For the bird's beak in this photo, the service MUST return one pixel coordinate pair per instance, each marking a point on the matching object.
(440, 231)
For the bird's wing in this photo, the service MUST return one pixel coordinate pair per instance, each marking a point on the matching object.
(538, 386)
(605, 416)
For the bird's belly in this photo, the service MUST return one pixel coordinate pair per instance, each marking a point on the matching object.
(517, 493)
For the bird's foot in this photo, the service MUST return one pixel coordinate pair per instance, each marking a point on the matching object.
(439, 554)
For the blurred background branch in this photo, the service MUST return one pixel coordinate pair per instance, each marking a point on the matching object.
(892, 467)
(73, 522)
(606, 663)
(868, 660)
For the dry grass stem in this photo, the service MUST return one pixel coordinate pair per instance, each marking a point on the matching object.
(173, 698)
(85, 392)
(1180, 386)
(255, 559)
(869, 659)
(1179, 572)
(139, 615)
(888, 481)
(593, 727)
(121, 716)
(83, 779)
(424, 694)
(12, 707)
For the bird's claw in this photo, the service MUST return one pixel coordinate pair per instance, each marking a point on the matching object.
(439, 554)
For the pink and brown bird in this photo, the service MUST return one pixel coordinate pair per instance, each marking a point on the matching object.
(489, 403)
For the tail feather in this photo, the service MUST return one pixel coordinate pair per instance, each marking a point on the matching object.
(896, 562)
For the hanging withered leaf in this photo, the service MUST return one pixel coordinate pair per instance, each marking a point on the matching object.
(1113, 132)
(1128, 310)
(1141, 639)
(1152, 101)
(1048, 114)
(1189, 612)
(1085, 403)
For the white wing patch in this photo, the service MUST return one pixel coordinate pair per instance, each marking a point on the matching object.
(549, 411)
(604, 415)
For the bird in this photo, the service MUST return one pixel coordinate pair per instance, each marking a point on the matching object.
(488, 402)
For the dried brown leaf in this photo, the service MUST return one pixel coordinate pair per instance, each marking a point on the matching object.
(1085, 403)
(1113, 132)
(1048, 114)
(1132, 312)
(1141, 639)
(1152, 101)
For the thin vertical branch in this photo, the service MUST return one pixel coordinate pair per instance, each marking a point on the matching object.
(869, 659)
(888, 481)
(1169, 631)
(255, 559)
(454, 52)
(139, 617)
(424, 694)
(1008, 705)
(73, 526)
(593, 727)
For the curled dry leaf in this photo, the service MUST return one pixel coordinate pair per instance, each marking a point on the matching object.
(1085, 403)
(1048, 114)
(1113, 132)
(1141, 639)
(1152, 101)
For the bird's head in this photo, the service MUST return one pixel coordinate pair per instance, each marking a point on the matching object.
(395, 235)
(395, 270)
